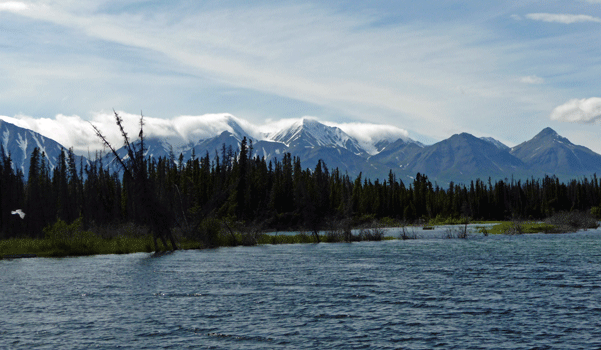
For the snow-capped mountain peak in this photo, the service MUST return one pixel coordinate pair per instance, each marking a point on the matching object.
(309, 133)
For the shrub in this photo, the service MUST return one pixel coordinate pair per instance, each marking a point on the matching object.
(596, 212)
(128, 229)
(373, 232)
(208, 232)
(407, 233)
(457, 232)
(572, 221)
(515, 228)
(365, 219)
(338, 231)
(70, 239)
(388, 222)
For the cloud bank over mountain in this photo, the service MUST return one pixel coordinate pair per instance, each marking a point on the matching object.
(461, 157)
(366, 133)
(180, 131)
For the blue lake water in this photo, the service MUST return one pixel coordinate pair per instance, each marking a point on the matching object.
(495, 292)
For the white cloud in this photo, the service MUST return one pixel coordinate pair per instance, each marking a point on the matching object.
(69, 131)
(367, 134)
(178, 131)
(532, 79)
(586, 110)
(13, 6)
(271, 126)
(73, 131)
(562, 18)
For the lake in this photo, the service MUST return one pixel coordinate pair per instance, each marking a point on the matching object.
(496, 292)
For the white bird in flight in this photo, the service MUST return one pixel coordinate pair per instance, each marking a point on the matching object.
(18, 212)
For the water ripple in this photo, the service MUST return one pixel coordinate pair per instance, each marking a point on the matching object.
(527, 292)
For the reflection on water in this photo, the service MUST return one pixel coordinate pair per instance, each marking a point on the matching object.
(495, 292)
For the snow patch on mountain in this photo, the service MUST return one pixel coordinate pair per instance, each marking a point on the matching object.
(496, 143)
(5, 138)
(19, 144)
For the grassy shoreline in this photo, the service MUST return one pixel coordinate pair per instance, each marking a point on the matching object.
(30, 247)
(64, 240)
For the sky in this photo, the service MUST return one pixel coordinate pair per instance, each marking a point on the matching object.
(429, 69)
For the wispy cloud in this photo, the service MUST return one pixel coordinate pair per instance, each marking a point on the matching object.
(562, 18)
(532, 79)
(308, 53)
(13, 6)
(426, 70)
(586, 110)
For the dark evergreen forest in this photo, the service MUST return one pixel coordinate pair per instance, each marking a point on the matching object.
(279, 194)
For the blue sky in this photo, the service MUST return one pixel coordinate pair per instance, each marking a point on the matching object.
(505, 69)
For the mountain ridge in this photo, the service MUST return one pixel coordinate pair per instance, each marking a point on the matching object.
(552, 153)
(18, 143)
(460, 158)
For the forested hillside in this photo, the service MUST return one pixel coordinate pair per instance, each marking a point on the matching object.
(236, 187)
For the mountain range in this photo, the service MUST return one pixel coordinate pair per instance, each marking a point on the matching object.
(460, 158)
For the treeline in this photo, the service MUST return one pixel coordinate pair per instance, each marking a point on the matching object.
(234, 187)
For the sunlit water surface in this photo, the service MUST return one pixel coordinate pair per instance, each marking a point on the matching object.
(495, 292)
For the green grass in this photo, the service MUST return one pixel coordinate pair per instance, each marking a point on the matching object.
(512, 227)
(560, 222)
(286, 239)
(16, 246)
(482, 222)
(51, 248)
(124, 245)
(439, 220)
(93, 245)
(62, 239)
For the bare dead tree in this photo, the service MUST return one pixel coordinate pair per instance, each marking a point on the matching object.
(149, 210)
